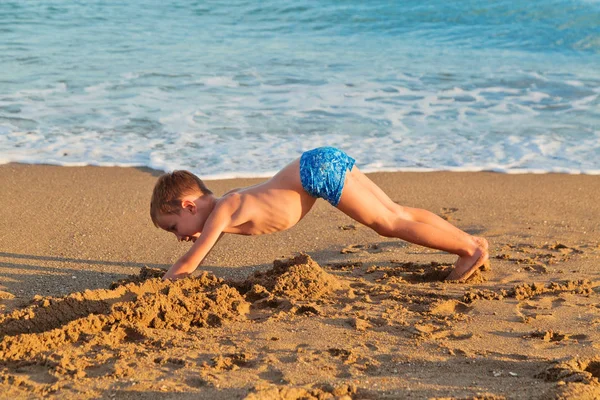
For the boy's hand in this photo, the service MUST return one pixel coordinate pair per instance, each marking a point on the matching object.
(178, 271)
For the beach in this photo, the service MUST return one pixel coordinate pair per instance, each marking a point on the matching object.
(343, 312)
(485, 113)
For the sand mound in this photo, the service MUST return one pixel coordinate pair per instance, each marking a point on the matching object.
(144, 274)
(574, 370)
(271, 392)
(144, 301)
(577, 379)
(571, 391)
(130, 308)
(298, 278)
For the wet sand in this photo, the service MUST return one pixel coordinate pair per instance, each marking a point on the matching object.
(83, 313)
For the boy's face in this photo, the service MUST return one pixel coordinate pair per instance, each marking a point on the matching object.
(184, 225)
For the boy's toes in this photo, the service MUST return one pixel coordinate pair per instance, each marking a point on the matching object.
(466, 266)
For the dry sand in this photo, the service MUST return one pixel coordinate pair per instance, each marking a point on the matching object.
(84, 314)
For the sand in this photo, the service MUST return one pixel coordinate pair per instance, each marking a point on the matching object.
(327, 309)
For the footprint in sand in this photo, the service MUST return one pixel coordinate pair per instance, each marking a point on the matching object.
(449, 307)
(358, 248)
(529, 310)
(447, 213)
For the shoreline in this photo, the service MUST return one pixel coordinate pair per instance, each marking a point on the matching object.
(263, 175)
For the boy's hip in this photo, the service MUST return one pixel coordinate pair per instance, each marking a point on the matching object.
(323, 172)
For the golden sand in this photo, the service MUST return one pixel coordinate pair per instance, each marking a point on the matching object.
(340, 313)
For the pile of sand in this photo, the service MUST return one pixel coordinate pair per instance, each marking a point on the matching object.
(577, 379)
(108, 332)
(125, 311)
(298, 278)
(270, 392)
(574, 370)
(145, 301)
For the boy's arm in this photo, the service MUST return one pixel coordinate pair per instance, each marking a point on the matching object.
(212, 232)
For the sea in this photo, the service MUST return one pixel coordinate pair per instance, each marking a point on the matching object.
(239, 88)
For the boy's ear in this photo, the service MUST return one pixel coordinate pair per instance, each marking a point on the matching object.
(189, 205)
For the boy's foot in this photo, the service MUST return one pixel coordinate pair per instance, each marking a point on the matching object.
(464, 267)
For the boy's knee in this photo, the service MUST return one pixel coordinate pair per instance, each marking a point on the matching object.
(405, 213)
(393, 225)
(385, 227)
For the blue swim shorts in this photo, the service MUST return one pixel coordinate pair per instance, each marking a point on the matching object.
(323, 171)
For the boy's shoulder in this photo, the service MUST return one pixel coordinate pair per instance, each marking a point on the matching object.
(233, 209)
(232, 191)
(229, 203)
(229, 198)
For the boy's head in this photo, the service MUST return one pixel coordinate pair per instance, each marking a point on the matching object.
(171, 189)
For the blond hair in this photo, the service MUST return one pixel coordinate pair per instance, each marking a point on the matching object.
(170, 189)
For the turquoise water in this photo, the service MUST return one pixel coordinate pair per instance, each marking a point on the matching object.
(240, 88)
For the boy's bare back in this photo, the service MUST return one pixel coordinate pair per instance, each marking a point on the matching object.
(272, 206)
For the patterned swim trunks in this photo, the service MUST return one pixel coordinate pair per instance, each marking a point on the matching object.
(323, 171)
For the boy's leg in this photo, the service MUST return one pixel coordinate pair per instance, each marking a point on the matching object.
(416, 214)
(363, 201)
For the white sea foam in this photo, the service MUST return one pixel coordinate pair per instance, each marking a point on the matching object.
(226, 160)
(101, 87)
(224, 81)
(535, 97)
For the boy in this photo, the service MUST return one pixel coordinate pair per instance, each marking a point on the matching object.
(182, 204)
